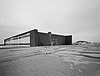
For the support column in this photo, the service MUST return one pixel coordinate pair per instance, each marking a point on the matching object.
(4, 42)
(50, 38)
(33, 38)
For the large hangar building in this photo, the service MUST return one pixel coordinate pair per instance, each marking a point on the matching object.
(36, 38)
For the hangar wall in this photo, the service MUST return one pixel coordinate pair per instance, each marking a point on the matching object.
(46, 39)
(35, 38)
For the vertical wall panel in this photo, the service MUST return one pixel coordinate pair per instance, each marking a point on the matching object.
(43, 39)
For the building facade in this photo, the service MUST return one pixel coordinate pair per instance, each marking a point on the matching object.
(36, 38)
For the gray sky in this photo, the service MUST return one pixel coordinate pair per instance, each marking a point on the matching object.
(81, 18)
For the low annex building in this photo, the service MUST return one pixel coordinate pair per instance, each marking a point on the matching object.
(39, 39)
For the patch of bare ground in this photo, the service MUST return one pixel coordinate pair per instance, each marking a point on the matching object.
(66, 60)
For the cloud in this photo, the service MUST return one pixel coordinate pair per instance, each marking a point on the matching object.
(76, 17)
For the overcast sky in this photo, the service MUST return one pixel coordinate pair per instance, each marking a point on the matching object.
(80, 18)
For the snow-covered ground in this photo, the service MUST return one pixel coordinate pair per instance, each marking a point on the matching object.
(66, 60)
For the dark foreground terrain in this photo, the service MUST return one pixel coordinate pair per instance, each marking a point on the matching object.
(73, 60)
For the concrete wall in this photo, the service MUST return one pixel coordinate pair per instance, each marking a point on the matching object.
(33, 38)
(60, 40)
(39, 38)
(68, 40)
(43, 39)
(46, 39)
